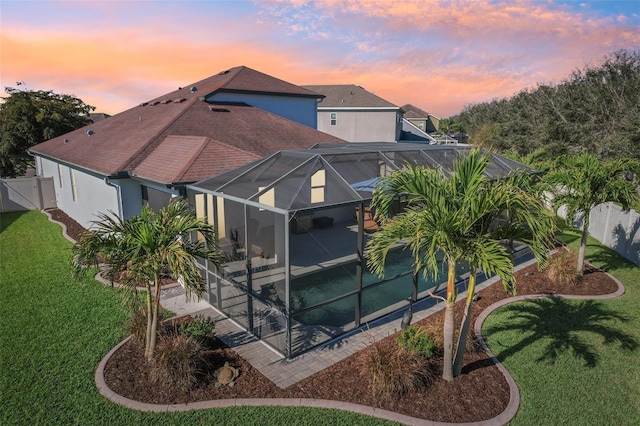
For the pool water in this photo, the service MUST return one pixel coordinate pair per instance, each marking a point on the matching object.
(313, 289)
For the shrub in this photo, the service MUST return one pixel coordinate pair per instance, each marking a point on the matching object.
(416, 339)
(177, 361)
(434, 328)
(137, 326)
(562, 268)
(201, 329)
(394, 370)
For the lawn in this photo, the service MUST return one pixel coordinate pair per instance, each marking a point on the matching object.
(575, 362)
(54, 331)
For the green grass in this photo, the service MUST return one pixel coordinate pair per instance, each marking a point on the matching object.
(54, 331)
(575, 362)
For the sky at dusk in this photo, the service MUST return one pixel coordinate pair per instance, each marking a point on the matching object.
(437, 55)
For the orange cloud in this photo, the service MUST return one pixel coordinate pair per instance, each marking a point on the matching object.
(436, 55)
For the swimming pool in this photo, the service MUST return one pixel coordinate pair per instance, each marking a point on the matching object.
(338, 284)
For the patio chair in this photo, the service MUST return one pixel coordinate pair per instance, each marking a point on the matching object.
(370, 224)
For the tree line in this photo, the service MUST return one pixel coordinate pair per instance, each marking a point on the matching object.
(595, 109)
(28, 117)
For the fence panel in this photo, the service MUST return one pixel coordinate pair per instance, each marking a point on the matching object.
(26, 193)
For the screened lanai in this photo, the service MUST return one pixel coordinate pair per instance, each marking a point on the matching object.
(294, 227)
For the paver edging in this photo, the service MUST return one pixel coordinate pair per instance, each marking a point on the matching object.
(64, 227)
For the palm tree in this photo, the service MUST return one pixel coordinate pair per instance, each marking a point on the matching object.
(456, 216)
(146, 247)
(581, 183)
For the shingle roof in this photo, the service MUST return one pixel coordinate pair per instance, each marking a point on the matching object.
(411, 111)
(348, 95)
(238, 80)
(169, 128)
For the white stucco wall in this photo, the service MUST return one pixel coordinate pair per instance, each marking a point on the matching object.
(93, 195)
(362, 125)
(300, 110)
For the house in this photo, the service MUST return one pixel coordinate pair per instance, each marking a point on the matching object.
(147, 154)
(294, 228)
(424, 121)
(356, 115)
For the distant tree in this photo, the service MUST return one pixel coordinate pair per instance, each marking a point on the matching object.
(448, 126)
(28, 117)
(593, 110)
(581, 183)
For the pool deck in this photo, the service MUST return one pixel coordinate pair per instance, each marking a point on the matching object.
(285, 373)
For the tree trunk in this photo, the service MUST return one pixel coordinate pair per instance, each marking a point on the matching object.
(583, 243)
(154, 322)
(448, 328)
(466, 324)
(147, 340)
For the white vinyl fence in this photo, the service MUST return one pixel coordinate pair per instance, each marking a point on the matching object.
(614, 228)
(27, 193)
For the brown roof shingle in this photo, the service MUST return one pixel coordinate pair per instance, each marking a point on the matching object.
(414, 112)
(348, 95)
(179, 138)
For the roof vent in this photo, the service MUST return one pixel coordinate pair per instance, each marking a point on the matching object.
(223, 72)
(89, 132)
(166, 101)
(154, 103)
(193, 89)
(66, 141)
(218, 109)
(144, 104)
(179, 100)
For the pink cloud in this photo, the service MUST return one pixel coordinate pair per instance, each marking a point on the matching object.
(436, 55)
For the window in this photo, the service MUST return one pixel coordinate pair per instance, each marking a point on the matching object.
(222, 230)
(268, 198)
(60, 175)
(421, 125)
(334, 118)
(154, 198)
(200, 211)
(317, 187)
(74, 187)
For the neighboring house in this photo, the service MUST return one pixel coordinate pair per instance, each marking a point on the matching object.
(98, 116)
(355, 115)
(421, 119)
(410, 133)
(147, 154)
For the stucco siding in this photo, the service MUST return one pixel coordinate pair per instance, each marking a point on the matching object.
(92, 195)
(361, 126)
(301, 110)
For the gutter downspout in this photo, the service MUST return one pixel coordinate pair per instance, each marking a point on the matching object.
(118, 194)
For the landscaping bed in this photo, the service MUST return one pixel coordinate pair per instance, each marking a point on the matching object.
(480, 393)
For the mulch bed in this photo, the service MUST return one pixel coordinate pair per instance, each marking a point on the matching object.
(479, 393)
(74, 229)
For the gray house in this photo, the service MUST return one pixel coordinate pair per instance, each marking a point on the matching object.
(147, 154)
(356, 115)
